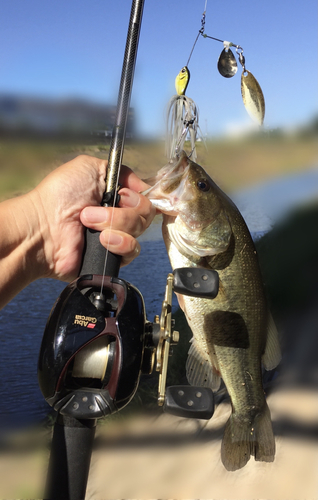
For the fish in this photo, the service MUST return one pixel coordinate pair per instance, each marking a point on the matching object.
(233, 334)
(182, 80)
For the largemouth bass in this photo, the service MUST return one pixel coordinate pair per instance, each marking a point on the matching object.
(233, 333)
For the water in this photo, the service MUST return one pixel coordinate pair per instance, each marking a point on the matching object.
(22, 323)
(23, 320)
(264, 204)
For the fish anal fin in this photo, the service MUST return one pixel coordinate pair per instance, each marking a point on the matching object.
(200, 370)
(243, 438)
(272, 353)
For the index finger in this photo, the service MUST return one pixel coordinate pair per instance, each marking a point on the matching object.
(128, 178)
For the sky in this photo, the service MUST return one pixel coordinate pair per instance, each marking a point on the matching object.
(67, 49)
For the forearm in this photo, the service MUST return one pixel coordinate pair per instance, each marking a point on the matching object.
(21, 248)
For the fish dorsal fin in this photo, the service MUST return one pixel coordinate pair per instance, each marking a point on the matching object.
(200, 370)
(272, 354)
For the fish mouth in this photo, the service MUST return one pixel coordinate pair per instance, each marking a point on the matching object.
(174, 167)
(168, 185)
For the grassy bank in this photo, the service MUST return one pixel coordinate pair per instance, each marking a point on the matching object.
(231, 163)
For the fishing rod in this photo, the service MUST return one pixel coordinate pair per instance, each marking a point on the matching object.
(98, 341)
(78, 409)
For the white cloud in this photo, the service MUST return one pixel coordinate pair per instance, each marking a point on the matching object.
(240, 129)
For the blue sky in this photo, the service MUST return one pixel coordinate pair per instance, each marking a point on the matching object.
(75, 49)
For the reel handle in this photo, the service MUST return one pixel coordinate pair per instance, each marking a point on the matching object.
(183, 401)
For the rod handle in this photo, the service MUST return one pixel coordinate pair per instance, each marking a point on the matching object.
(71, 451)
(94, 257)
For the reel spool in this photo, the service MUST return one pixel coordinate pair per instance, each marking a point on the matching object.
(91, 358)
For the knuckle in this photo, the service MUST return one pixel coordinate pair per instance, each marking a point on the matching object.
(127, 219)
(82, 158)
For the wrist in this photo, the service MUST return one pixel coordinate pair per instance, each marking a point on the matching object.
(21, 253)
(37, 238)
(24, 239)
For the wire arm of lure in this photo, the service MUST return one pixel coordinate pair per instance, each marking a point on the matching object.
(225, 43)
(201, 31)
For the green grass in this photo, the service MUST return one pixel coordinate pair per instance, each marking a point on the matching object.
(231, 163)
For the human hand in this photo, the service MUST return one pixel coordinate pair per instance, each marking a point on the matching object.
(69, 197)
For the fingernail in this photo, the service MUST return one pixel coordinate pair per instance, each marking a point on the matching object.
(95, 214)
(114, 239)
(129, 199)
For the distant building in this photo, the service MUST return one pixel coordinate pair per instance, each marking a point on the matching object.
(67, 117)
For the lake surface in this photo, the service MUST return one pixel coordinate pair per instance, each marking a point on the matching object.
(23, 320)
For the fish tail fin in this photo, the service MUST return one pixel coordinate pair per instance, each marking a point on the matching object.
(243, 438)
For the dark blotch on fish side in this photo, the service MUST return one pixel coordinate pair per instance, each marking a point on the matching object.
(229, 329)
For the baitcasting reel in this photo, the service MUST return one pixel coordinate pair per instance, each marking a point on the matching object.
(97, 344)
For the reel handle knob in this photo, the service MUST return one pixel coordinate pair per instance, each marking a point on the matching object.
(189, 401)
(196, 282)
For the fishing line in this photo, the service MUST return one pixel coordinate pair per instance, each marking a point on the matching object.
(109, 232)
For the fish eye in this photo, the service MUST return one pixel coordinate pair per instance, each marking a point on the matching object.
(203, 185)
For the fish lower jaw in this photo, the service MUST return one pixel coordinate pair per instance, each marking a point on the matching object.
(164, 206)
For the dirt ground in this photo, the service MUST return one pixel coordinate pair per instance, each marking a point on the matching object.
(166, 457)
(170, 457)
(180, 459)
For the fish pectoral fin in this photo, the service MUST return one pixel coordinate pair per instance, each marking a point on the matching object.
(272, 354)
(243, 438)
(200, 370)
(180, 298)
